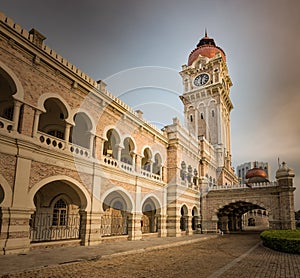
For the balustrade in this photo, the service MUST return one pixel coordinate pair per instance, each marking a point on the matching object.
(240, 186)
(6, 125)
(51, 141)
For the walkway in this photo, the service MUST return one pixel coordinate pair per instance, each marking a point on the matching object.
(40, 258)
(234, 255)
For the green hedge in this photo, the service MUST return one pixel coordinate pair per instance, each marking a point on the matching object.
(282, 240)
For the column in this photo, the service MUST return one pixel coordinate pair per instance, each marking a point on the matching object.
(206, 124)
(196, 123)
(91, 148)
(36, 122)
(151, 166)
(119, 153)
(134, 226)
(219, 125)
(162, 225)
(90, 228)
(189, 230)
(133, 160)
(15, 230)
(99, 142)
(67, 133)
(16, 115)
(138, 164)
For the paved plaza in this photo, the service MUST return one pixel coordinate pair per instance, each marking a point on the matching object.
(234, 255)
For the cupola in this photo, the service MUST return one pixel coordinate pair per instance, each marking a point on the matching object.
(207, 48)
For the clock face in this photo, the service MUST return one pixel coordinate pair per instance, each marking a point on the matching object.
(201, 79)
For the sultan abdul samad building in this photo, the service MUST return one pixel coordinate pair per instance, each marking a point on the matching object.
(79, 166)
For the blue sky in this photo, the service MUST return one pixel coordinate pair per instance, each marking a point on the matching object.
(139, 46)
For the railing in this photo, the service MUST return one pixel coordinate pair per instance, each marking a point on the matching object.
(6, 125)
(241, 186)
(129, 168)
(61, 144)
(41, 228)
(78, 150)
(51, 141)
(111, 161)
(126, 167)
(146, 174)
(113, 225)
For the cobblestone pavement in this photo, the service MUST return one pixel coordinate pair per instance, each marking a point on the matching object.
(235, 255)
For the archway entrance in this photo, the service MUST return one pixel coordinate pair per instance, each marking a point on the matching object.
(57, 215)
(237, 216)
(149, 223)
(184, 218)
(114, 221)
(195, 219)
(256, 220)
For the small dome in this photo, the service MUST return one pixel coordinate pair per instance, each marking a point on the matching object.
(256, 175)
(284, 171)
(207, 48)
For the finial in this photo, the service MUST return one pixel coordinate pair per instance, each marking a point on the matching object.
(205, 35)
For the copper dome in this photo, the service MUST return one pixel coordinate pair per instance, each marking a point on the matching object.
(207, 48)
(256, 175)
(256, 172)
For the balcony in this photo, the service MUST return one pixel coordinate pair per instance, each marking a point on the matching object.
(6, 125)
(126, 167)
(60, 144)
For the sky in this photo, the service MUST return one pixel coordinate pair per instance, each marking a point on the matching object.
(138, 48)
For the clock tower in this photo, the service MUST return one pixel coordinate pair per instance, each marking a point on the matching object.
(207, 106)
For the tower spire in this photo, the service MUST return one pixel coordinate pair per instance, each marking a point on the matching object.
(205, 34)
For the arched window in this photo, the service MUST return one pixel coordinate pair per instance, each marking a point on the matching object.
(157, 164)
(127, 152)
(111, 145)
(183, 218)
(212, 113)
(80, 133)
(191, 118)
(53, 121)
(146, 160)
(59, 217)
(7, 89)
(201, 116)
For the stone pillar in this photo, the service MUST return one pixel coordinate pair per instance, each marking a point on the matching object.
(16, 115)
(92, 145)
(285, 176)
(224, 224)
(133, 160)
(99, 144)
(119, 153)
(67, 133)
(138, 163)
(15, 230)
(188, 221)
(134, 226)
(162, 225)
(36, 122)
(90, 228)
(173, 225)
